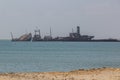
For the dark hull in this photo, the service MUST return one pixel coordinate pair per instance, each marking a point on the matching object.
(20, 40)
(77, 41)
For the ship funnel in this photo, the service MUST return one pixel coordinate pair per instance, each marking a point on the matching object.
(78, 29)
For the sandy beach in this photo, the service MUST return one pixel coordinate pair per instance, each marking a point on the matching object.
(81, 74)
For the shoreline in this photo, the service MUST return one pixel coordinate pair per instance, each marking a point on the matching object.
(81, 74)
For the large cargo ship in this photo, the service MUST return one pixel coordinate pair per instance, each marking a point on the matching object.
(73, 37)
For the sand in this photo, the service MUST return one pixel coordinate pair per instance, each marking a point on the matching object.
(81, 74)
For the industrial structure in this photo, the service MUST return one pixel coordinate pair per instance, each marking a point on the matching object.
(37, 35)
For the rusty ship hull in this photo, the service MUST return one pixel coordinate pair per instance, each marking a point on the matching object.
(25, 37)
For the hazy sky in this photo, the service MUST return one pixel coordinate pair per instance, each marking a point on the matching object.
(100, 18)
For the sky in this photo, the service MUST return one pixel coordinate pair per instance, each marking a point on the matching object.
(100, 18)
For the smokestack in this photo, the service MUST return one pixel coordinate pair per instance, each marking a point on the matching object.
(78, 29)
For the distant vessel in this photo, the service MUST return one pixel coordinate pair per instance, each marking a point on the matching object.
(74, 36)
(25, 37)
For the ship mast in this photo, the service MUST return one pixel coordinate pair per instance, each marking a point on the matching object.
(72, 30)
(11, 35)
(50, 32)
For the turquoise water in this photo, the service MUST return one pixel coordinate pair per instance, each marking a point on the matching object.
(57, 56)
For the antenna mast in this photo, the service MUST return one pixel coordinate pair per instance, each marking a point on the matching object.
(11, 35)
(50, 32)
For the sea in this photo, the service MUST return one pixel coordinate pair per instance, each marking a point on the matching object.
(57, 56)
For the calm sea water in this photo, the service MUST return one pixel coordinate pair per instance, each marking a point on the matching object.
(57, 56)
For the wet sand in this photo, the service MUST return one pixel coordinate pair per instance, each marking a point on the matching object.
(81, 74)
